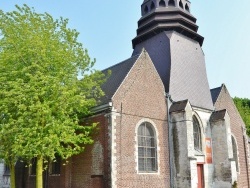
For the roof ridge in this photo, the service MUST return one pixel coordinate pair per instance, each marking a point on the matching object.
(215, 92)
(121, 62)
(118, 72)
(216, 88)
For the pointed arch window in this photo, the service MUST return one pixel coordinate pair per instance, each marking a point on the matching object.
(181, 4)
(235, 153)
(147, 148)
(6, 170)
(152, 6)
(162, 3)
(171, 3)
(187, 8)
(146, 9)
(197, 134)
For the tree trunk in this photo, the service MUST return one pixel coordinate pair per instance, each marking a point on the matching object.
(39, 172)
(12, 176)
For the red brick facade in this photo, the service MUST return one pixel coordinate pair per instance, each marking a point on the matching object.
(140, 98)
(78, 172)
(112, 161)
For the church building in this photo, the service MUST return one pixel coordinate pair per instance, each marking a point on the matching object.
(160, 124)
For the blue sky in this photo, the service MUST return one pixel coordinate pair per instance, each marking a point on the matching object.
(107, 28)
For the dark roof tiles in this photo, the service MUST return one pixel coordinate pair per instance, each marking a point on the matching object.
(218, 115)
(178, 106)
(188, 77)
(215, 93)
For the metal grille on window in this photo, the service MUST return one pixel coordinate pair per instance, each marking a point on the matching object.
(56, 166)
(147, 156)
(197, 134)
(33, 166)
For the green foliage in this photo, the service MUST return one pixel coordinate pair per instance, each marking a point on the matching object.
(235, 185)
(243, 106)
(41, 98)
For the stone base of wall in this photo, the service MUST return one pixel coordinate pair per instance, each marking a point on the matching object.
(221, 184)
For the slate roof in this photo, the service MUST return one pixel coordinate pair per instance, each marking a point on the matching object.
(118, 73)
(188, 76)
(218, 115)
(181, 66)
(178, 106)
(215, 93)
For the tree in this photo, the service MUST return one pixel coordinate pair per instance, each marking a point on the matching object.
(243, 106)
(42, 99)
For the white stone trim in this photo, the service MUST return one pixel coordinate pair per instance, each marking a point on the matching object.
(202, 127)
(112, 125)
(202, 132)
(157, 142)
(236, 143)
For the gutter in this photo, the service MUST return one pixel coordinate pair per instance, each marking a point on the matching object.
(102, 107)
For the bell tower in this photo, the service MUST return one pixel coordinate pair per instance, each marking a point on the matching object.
(164, 15)
(168, 32)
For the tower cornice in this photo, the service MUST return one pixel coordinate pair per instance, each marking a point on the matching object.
(165, 17)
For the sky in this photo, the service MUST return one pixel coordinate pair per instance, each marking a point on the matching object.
(107, 28)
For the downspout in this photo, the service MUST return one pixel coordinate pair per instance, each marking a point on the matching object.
(170, 139)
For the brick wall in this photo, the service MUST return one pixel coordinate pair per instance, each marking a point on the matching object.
(140, 98)
(79, 171)
(225, 101)
(91, 169)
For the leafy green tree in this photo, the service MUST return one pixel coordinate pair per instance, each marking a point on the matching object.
(42, 99)
(243, 106)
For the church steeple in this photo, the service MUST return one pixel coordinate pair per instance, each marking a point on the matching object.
(165, 15)
(168, 32)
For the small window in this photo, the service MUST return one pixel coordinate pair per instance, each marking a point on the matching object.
(147, 149)
(197, 134)
(6, 170)
(55, 166)
(152, 7)
(187, 8)
(235, 153)
(33, 166)
(162, 3)
(146, 9)
(171, 3)
(181, 4)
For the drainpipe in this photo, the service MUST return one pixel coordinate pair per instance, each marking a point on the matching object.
(170, 140)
